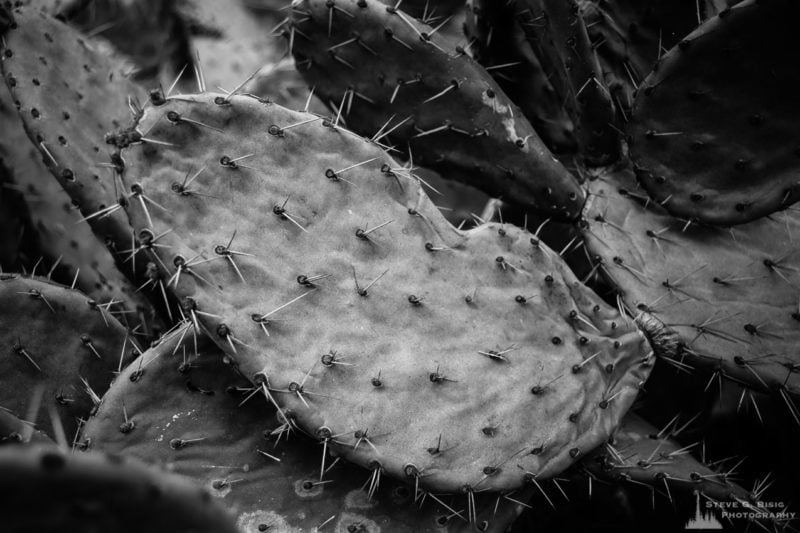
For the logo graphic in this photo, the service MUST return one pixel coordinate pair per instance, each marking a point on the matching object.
(703, 520)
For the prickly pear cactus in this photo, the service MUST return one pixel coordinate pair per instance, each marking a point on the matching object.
(640, 453)
(182, 404)
(431, 12)
(721, 300)
(467, 374)
(556, 33)
(66, 247)
(57, 338)
(149, 33)
(712, 138)
(95, 492)
(14, 430)
(70, 95)
(499, 44)
(359, 240)
(630, 38)
(445, 111)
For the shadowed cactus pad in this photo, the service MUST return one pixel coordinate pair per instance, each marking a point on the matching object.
(237, 447)
(70, 95)
(45, 489)
(640, 453)
(713, 134)
(376, 325)
(556, 33)
(400, 82)
(67, 245)
(501, 47)
(722, 300)
(59, 338)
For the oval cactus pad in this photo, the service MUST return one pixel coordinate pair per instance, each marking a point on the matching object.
(714, 134)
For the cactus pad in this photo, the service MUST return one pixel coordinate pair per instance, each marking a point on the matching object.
(57, 337)
(722, 300)
(501, 47)
(322, 267)
(713, 136)
(556, 33)
(66, 243)
(630, 37)
(69, 96)
(449, 113)
(640, 453)
(249, 459)
(45, 489)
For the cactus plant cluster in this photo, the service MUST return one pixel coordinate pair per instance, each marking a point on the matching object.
(229, 300)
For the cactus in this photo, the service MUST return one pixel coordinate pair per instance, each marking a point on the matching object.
(431, 12)
(57, 337)
(710, 139)
(57, 118)
(446, 110)
(337, 242)
(630, 37)
(555, 31)
(182, 404)
(45, 489)
(709, 299)
(640, 453)
(65, 247)
(501, 47)
(13, 430)
(462, 369)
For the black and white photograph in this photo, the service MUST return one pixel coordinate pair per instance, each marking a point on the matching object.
(399, 266)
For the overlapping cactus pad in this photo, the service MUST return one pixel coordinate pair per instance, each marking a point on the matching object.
(727, 300)
(714, 136)
(630, 37)
(501, 47)
(394, 78)
(183, 406)
(556, 32)
(335, 281)
(70, 94)
(338, 356)
(45, 489)
(60, 339)
(641, 453)
(71, 252)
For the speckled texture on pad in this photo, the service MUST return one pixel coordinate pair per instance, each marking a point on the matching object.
(177, 390)
(420, 361)
(70, 95)
(723, 300)
(435, 102)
